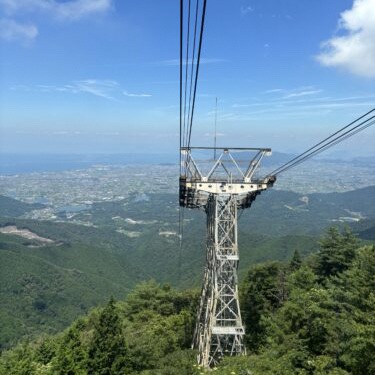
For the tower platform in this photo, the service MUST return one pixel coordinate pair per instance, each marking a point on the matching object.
(229, 171)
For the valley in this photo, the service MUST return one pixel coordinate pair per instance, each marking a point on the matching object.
(70, 239)
(57, 266)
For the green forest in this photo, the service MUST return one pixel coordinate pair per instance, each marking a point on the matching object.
(306, 315)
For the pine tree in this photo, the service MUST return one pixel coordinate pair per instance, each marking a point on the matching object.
(354, 292)
(70, 355)
(106, 355)
(263, 292)
(296, 261)
(337, 251)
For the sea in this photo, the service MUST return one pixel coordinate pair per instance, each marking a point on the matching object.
(11, 164)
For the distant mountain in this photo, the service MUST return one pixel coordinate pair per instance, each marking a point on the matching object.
(277, 159)
(281, 212)
(15, 208)
(365, 229)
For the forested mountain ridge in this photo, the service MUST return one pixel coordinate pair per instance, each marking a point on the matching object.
(15, 208)
(302, 317)
(49, 284)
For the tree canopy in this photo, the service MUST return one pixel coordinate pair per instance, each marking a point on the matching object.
(309, 316)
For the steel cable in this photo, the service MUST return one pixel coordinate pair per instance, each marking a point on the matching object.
(365, 126)
(330, 144)
(324, 144)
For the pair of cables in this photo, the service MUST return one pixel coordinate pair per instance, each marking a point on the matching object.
(359, 124)
(191, 38)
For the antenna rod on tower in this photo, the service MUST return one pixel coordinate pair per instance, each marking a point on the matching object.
(215, 129)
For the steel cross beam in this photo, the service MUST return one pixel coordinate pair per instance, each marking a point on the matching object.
(219, 330)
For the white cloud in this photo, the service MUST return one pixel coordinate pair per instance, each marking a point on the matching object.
(272, 91)
(294, 93)
(302, 93)
(20, 87)
(73, 9)
(80, 8)
(136, 95)
(298, 102)
(246, 9)
(11, 30)
(102, 88)
(354, 51)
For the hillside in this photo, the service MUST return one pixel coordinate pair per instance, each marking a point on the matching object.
(365, 229)
(43, 288)
(301, 317)
(49, 284)
(14, 208)
(291, 213)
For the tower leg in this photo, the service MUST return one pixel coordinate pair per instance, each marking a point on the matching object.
(219, 330)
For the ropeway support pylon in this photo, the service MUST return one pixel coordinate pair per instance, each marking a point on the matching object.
(221, 190)
(219, 329)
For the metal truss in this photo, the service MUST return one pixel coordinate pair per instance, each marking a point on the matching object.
(219, 329)
(221, 186)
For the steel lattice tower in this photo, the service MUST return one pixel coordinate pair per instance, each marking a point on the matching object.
(221, 191)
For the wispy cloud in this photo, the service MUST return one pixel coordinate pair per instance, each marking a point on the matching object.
(70, 133)
(273, 91)
(221, 115)
(136, 95)
(294, 93)
(11, 30)
(298, 103)
(246, 10)
(354, 51)
(103, 88)
(71, 9)
(176, 62)
(20, 88)
(302, 93)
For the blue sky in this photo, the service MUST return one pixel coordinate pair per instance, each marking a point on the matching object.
(102, 75)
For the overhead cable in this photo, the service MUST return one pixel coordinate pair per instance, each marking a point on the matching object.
(364, 126)
(189, 78)
(197, 70)
(192, 68)
(186, 70)
(328, 142)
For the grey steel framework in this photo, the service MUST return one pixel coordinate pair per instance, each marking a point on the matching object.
(220, 186)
